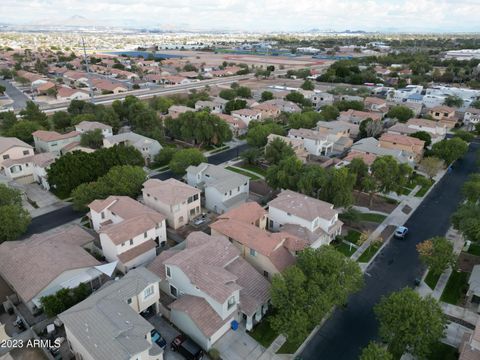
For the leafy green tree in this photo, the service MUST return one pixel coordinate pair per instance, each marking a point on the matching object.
(7, 120)
(306, 292)
(185, 158)
(250, 156)
(410, 323)
(450, 150)
(329, 112)
(77, 119)
(14, 219)
(258, 132)
(431, 165)
(164, 156)
(375, 351)
(278, 150)
(61, 120)
(423, 135)
(305, 120)
(476, 104)
(401, 113)
(437, 253)
(228, 94)
(64, 299)
(161, 103)
(467, 220)
(464, 135)
(2, 89)
(453, 101)
(471, 189)
(308, 85)
(312, 179)
(267, 95)
(338, 189)
(286, 174)
(23, 130)
(358, 167)
(345, 105)
(233, 105)
(298, 98)
(92, 139)
(32, 112)
(244, 92)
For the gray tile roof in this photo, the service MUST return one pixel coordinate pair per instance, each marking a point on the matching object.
(105, 325)
(370, 145)
(218, 177)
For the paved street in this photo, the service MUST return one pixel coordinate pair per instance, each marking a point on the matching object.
(19, 98)
(349, 330)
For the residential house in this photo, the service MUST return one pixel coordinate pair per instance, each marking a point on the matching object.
(315, 142)
(250, 212)
(30, 169)
(247, 115)
(212, 286)
(174, 111)
(130, 232)
(375, 104)
(108, 324)
(337, 126)
(179, 202)
(356, 117)
(404, 143)
(444, 114)
(471, 117)
(237, 126)
(436, 130)
(223, 189)
(284, 105)
(76, 77)
(297, 145)
(320, 99)
(469, 348)
(12, 148)
(367, 158)
(108, 87)
(269, 253)
(216, 106)
(148, 147)
(65, 94)
(55, 261)
(268, 110)
(86, 126)
(313, 220)
(44, 88)
(52, 141)
(371, 145)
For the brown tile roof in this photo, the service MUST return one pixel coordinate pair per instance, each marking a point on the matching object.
(423, 122)
(138, 250)
(47, 256)
(66, 92)
(9, 142)
(247, 112)
(367, 158)
(374, 100)
(442, 108)
(46, 86)
(53, 135)
(232, 120)
(402, 139)
(303, 206)
(92, 125)
(169, 191)
(201, 313)
(103, 84)
(248, 212)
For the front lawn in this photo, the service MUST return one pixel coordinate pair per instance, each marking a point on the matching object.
(474, 249)
(255, 168)
(443, 351)
(457, 286)
(344, 248)
(371, 217)
(263, 333)
(370, 252)
(431, 279)
(251, 176)
(353, 236)
(288, 347)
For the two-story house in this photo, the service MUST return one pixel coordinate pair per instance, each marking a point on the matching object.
(130, 232)
(52, 141)
(471, 117)
(148, 147)
(86, 126)
(250, 212)
(297, 145)
(237, 126)
(212, 286)
(315, 142)
(12, 149)
(404, 143)
(247, 115)
(444, 114)
(268, 110)
(376, 105)
(371, 146)
(178, 201)
(356, 117)
(223, 189)
(30, 169)
(313, 220)
(108, 324)
(216, 106)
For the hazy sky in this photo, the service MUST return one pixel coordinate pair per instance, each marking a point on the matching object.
(254, 15)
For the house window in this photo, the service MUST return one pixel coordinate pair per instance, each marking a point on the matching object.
(131, 241)
(265, 273)
(148, 195)
(53, 144)
(129, 301)
(145, 234)
(5, 157)
(253, 252)
(173, 291)
(26, 152)
(123, 244)
(168, 271)
(195, 197)
(148, 292)
(102, 215)
(231, 302)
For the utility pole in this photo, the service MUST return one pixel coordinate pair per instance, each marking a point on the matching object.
(88, 71)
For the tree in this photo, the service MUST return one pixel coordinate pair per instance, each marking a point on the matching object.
(278, 150)
(358, 167)
(471, 188)
(258, 132)
(164, 156)
(61, 120)
(23, 130)
(228, 94)
(233, 105)
(410, 323)
(161, 104)
(307, 291)
(305, 120)
(375, 351)
(345, 105)
(329, 112)
(437, 253)
(464, 135)
(431, 165)
(450, 150)
(338, 188)
(267, 95)
(92, 139)
(250, 155)
(244, 92)
(7, 120)
(423, 135)
(185, 158)
(453, 101)
(312, 179)
(308, 85)
(401, 113)
(476, 104)
(14, 219)
(297, 98)
(286, 174)
(467, 220)
(2, 89)
(32, 112)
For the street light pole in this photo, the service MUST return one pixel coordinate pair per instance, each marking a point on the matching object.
(88, 71)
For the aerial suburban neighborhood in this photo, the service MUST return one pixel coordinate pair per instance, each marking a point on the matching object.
(224, 185)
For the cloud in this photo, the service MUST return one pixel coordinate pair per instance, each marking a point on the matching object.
(263, 15)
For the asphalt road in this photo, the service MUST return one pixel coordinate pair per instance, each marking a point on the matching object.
(19, 98)
(67, 214)
(352, 328)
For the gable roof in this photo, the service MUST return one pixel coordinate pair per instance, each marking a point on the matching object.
(48, 136)
(9, 142)
(248, 212)
(48, 256)
(92, 125)
(218, 177)
(170, 191)
(402, 139)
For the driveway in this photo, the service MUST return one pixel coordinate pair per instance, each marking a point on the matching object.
(351, 329)
(169, 333)
(238, 345)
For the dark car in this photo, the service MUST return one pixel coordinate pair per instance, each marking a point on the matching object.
(185, 346)
(158, 339)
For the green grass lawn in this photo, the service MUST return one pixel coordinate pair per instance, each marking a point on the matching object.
(406, 191)
(255, 168)
(431, 279)
(263, 333)
(456, 287)
(443, 351)
(251, 176)
(288, 347)
(345, 249)
(474, 249)
(377, 218)
(353, 236)
(370, 252)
